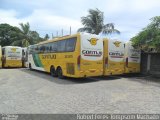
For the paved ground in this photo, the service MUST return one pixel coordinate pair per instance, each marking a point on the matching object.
(25, 91)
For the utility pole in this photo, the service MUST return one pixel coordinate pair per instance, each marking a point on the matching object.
(62, 32)
(57, 33)
(70, 30)
(52, 35)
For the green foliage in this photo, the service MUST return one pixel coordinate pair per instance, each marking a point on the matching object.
(29, 37)
(46, 37)
(94, 23)
(149, 37)
(24, 37)
(9, 34)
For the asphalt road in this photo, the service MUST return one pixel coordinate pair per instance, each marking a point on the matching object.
(25, 91)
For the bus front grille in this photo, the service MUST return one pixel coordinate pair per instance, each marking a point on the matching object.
(70, 68)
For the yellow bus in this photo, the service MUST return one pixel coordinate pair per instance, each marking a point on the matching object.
(113, 57)
(132, 59)
(11, 56)
(79, 55)
(0, 57)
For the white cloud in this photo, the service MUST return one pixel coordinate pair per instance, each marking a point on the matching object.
(9, 17)
(144, 5)
(41, 20)
(132, 6)
(47, 16)
(46, 19)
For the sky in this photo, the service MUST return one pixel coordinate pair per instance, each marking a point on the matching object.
(51, 16)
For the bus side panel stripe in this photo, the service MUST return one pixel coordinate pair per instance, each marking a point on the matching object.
(37, 60)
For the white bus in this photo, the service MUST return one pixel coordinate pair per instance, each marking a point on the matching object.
(11, 56)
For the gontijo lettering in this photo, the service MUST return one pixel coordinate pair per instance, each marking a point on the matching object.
(53, 56)
(91, 53)
(116, 54)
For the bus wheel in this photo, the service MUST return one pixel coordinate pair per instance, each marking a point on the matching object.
(60, 73)
(2, 65)
(53, 71)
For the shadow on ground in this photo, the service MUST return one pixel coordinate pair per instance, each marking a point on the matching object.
(12, 68)
(67, 80)
(144, 79)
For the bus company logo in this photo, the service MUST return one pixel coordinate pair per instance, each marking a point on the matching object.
(116, 54)
(93, 41)
(92, 53)
(49, 56)
(13, 49)
(117, 43)
(134, 54)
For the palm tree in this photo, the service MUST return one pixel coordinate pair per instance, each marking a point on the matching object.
(26, 36)
(29, 37)
(94, 23)
(25, 29)
(46, 37)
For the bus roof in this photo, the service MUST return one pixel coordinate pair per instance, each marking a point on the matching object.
(58, 38)
(11, 47)
(61, 38)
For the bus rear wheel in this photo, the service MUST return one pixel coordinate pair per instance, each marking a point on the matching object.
(2, 65)
(53, 72)
(60, 73)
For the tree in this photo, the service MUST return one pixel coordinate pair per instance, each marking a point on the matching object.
(46, 37)
(29, 37)
(9, 34)
(149, 37)
(94, 23)
(25, 28)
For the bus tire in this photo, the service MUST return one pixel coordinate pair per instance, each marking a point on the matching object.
(2, 65)
(53, 71)
(60, 73)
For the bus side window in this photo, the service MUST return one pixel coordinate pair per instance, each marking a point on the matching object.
(54, 47)
(32, 50)
(70, 45)
(50, 48)
(35, 49)
(47, 48)
(41, 49)
(61, 45)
